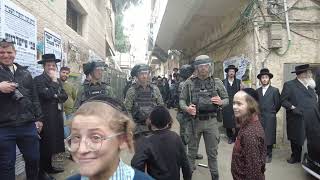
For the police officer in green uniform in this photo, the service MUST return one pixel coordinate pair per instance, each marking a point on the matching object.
(201, 97)
(141, 98)
(86, 71)
(94, 86)
(185, 72)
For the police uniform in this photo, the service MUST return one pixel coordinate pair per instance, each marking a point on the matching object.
(183, 118)
(88, 89)
(199, 92)
(140, 101)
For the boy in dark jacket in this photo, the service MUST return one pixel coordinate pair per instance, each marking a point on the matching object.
(163, 152)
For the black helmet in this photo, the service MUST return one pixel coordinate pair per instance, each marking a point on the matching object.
(86, 68)
(90, 66)
(138, 68)
(186, 71)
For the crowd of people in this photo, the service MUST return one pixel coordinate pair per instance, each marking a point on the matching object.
(35, 112)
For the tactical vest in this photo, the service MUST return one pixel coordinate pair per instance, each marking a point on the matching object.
(94, 90)
(202, 92)
(144, 102)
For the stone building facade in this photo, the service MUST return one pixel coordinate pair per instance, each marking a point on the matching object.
(261, 37)
(86, 27)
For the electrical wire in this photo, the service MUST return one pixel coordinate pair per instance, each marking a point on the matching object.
(243, 20)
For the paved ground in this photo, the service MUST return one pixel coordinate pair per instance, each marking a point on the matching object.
(279, 169)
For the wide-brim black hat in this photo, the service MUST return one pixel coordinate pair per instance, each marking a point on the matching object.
(49, 58)
(265, 71)
(301, 68)
(231, 67)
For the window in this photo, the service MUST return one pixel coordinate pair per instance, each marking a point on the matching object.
(74, 18)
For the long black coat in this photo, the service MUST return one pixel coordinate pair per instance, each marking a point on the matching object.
(306, 112)
(227, 111)
(269, 106)
(50, 95)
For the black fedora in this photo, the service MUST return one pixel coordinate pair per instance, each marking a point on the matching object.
(231, 67)
(301, 68)
(49, 58)
(265, 71)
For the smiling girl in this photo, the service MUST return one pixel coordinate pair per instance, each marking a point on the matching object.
(99, 131)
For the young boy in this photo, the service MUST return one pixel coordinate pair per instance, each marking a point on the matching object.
(162, 154)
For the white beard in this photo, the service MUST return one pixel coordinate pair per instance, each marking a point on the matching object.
(311, 83)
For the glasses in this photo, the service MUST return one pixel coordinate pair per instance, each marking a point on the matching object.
(7, 40)
(93, 143)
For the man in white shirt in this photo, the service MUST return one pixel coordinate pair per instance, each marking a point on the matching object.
(269, 101)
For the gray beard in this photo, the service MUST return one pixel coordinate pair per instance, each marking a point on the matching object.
(310, 82)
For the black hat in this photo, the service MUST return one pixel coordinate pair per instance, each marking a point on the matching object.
(251, 92)
(265, 71)
(301, 68)
(49, 58)
(231, 67)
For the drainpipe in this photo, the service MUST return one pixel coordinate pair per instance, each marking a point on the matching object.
(287, 19)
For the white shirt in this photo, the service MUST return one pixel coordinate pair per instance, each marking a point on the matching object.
(230, 82)
(264, 89)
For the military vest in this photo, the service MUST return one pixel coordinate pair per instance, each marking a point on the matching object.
(144, 102)
(201, 94)
(94, 90)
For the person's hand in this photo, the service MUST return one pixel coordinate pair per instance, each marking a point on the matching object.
(216, 100)
(7, 87)
(39, 126)
(53, 75)
(191, 109)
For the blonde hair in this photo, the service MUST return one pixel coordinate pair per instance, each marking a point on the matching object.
(116, 120)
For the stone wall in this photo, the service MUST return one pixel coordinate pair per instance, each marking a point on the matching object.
(302, 49)
(51, 14)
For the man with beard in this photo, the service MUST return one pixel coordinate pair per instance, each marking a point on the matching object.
(232, 85)
(269, 102)
(72, 95)
(201, 97)
(303, 117)
(51, 96)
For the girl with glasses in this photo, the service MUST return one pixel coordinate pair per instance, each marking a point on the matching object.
(99, 131)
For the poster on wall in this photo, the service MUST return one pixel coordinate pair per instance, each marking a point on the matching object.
(21, 27)
(243, 64)
(52, 44)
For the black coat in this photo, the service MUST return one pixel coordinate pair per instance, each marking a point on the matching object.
(50, 95)
(269, 106)
(306, 112)
(164, 154)
(228, 114)
(27, 109)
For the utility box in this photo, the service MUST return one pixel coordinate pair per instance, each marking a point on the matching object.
(275, 36)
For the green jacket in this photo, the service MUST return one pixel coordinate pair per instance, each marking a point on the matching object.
(72, 95)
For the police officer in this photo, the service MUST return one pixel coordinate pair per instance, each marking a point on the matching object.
(141, 98)
(86, 71)
(94, 86)
(183, 119)
(201, 97)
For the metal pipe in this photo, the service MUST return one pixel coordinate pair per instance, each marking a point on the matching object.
(287, 19)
